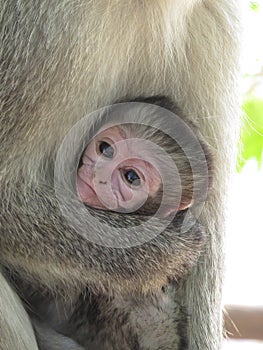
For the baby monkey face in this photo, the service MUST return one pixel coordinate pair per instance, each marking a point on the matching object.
(113, 176)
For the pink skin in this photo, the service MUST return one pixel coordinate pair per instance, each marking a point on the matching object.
(102, 180)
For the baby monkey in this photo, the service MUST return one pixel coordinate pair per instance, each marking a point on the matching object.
(112, 175)
(121, 171)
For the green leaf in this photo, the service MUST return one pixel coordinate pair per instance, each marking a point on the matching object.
(251, 145)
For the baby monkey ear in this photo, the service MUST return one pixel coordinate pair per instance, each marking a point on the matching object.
(184, 205)
(166, 212)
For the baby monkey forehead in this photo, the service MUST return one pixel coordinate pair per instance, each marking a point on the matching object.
(128, 130)
(123, 135)
(112, 130)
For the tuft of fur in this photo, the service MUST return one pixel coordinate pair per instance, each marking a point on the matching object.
(61, 60)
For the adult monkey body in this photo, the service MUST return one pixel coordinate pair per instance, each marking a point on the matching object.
(61, 60)
(129, 301)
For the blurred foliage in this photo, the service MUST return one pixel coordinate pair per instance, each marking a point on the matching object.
(254, 5)
(251, 140)
(252, 132)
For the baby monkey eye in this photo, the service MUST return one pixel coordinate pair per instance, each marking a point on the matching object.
(106, 150)
(132, 177)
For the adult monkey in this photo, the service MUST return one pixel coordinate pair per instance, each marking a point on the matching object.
(61, 60)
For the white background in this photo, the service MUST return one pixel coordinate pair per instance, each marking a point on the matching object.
(244, 241)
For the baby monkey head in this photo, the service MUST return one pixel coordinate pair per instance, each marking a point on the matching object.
(123, 170)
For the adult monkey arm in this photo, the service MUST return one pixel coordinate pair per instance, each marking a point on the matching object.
(15, 328)
(61, 60)
(48, 339)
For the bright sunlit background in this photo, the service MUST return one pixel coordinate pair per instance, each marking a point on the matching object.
(244, 245)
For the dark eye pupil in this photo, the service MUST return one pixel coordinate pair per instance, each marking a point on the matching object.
(106, 149)
(132, 177)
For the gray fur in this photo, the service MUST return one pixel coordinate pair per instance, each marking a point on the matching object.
(61, 60)
(48, 339)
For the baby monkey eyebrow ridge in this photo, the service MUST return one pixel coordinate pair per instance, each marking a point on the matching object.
(122, 132)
